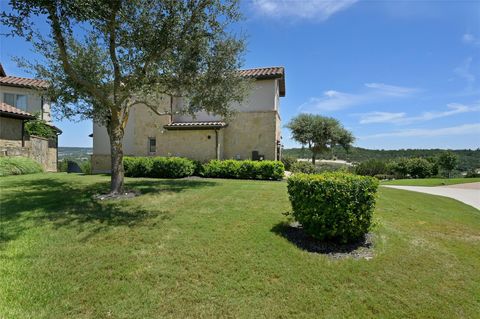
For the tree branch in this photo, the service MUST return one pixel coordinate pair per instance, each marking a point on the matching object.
(64, 56)
(113, 49)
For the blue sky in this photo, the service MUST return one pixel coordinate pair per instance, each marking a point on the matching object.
(399, 74)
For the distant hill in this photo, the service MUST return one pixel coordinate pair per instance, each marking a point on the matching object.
(468, 159)
(77, 153)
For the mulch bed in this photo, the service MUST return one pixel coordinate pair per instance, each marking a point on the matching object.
(362, 249)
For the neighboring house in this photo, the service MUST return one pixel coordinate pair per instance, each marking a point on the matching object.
(253, 133)
(21, 100)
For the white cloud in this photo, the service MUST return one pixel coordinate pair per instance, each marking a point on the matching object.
(469, 38)
(402, 118)
(464, 72)
(465, 129)
(312, 9)
(381, 117)
(334, 100)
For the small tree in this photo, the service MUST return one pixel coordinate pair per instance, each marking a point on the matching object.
(447, 161)
(102, 57)
(319, 133)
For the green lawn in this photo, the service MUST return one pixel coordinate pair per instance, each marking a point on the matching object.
(206, 248)
(431, 181)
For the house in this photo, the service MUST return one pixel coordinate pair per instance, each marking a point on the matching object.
(253, 133)
(21, 100)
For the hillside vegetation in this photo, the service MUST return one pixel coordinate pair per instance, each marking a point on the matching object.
(467, 159)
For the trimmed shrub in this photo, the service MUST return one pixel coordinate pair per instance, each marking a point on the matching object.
(160, 167)
(303, 167)
(333, 206)
(244, 169)
(137, 166)
(288, 162)
(17, 165)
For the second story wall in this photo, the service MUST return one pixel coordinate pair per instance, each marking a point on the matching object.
(263, 96)
(25, 99)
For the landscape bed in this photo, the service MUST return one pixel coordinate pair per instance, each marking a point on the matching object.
(211, 248)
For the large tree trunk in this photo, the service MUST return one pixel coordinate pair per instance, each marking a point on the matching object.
(313, 157)
(116, 151)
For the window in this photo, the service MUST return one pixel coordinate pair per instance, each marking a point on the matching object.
(9, 98)
(152, 145)
(16, 100)
(21, 102)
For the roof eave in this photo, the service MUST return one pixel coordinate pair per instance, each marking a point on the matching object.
(34, 87)
(193, 127)
(17, 116)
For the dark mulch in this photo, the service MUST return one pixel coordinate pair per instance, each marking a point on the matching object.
(361, 249)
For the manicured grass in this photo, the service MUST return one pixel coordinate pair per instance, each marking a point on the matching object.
(431, 181)
(207, 248)
(18, 165)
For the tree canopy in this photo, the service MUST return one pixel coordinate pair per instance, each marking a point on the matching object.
(102, 57)
(447, 161)
(319, 133)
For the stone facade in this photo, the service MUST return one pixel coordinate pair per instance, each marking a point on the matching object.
(10, 132)
(40, 149)
(255, 127)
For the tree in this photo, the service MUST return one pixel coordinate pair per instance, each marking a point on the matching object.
(102, 57)
(447, 161)
(319, 133)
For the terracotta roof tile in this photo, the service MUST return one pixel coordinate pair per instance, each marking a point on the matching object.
(23, 82)
(273, 72)
(196, 125)
(7, 109)
(267, 72)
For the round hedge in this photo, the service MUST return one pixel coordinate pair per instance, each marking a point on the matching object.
(333, 206)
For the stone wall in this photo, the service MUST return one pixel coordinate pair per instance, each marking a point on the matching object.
(10, 132)
(40, 149)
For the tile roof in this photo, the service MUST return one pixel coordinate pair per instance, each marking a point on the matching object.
(273, 72)
(195, 125)
(23, 82)
(267, 72)
(10, 111)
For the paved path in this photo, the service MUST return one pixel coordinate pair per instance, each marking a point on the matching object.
(467, 193)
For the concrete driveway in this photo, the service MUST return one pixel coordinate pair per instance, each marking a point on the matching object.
(467, 193)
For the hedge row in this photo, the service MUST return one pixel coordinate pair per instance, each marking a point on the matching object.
(333, 206)
(244, 169)
(17, 165)
(160, 167)
(177, 167)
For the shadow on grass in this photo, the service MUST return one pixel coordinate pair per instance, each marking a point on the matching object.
(27, 203)
(297, 236)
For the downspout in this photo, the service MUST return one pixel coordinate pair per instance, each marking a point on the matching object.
(217, 149)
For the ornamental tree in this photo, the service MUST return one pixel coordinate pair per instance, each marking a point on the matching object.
(102, 57)
(447, 161)
(319, 133)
